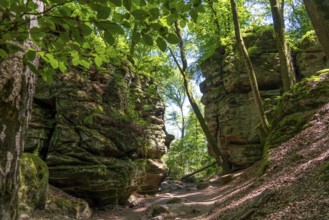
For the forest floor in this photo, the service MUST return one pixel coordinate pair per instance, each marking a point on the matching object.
(294, 186)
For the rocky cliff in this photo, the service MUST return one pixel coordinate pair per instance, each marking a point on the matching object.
(229, 106)
(101, 133)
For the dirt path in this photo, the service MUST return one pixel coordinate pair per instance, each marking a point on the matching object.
(179, 204)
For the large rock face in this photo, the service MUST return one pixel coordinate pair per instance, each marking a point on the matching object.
(230, 111)
(99, 132)
(229, 106)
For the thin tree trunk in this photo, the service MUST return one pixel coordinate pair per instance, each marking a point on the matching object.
(249, 66)
(282, 13)
(221, 159)
(318, 11)
(183, 122)
(199, 170)
(287, 70)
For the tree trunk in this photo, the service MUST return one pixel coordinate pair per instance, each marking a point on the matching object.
(221, 159)
(16, 97)
(17, 88)
(249, 66)
(318, 11)
(287, 70)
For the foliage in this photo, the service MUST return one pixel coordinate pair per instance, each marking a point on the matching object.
(83, 33)
(190, 152)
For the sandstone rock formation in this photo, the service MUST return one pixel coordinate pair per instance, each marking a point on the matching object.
(100, 132)
(311, 58)
(229, 107)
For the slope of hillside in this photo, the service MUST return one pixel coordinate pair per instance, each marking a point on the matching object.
(295, 185)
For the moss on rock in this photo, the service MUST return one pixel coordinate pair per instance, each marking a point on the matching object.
(33, 188)
(297, 107)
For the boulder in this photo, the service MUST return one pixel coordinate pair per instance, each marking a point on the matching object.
(154, 176)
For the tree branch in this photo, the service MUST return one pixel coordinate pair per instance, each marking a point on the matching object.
(176, 61)
(181, 46)
(45, 11)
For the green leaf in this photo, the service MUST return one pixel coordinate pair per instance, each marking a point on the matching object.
(155, 13)
(182, 23)
(148, 40)
(62, 67)
(36, 33)
(136, 37)
(171, 19)
(194, 15)
(100, 50)
(30, 55)
(180, 6)
(161, 44)
(139, 14)
(77, 36)
(86, 45)
(142, 3)
(163, 31)
(117, 17)
(112, 27)
(98, 61)
(3, 53)
(116, 61)
(108, 37)
(104, 58)
(156, 26)
(32, 67)
(127, 4)
(65, 11)
(85, 29)
(111, 52)
(53, 62)
(103, 12)
(75, 61)
(47, 74)
(172, 38)
(84, 63)
(32, 6)
(116, 2)
(201, 9)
